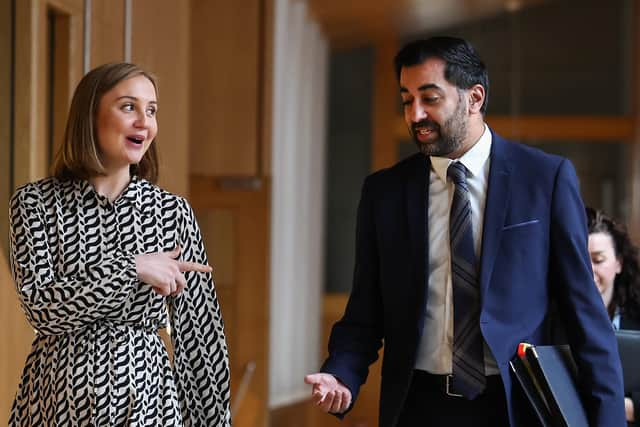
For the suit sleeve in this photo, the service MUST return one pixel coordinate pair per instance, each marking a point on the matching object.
(589, 330)
(357, 337)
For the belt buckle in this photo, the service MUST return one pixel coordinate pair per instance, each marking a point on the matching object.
(448, 382)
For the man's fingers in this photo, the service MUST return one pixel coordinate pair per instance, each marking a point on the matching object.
(326, 403)
(194, 266)
(317, 395)
(337, 403)
(346, 401)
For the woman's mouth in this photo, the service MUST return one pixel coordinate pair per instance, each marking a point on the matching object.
(138, 140)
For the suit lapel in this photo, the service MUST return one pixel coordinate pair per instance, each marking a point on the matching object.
(495, 208)
(417, 208)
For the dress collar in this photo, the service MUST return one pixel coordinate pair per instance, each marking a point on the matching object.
(131, 194)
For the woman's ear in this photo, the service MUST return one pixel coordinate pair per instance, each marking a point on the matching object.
(619, 266)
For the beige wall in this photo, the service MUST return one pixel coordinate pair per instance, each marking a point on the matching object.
(107, 31)
(160, 43)
(225, 87)
(5, 117)
(15, 339)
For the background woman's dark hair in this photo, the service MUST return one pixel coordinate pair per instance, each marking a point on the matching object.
(463, 68)
(78, 155)
(626, 288)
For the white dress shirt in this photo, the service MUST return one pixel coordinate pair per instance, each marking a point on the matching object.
(436, 345)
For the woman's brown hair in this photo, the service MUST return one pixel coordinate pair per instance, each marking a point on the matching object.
(78, 156)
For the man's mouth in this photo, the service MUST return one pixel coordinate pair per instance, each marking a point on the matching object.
(424, 129)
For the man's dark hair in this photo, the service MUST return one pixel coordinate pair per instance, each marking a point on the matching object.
(463, 68)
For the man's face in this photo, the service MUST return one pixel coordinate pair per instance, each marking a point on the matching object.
(436, 111)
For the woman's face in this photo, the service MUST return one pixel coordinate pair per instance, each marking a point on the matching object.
(126, 123)
(605, 264)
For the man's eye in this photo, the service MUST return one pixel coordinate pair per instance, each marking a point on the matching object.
(406, 102)
(430, 99)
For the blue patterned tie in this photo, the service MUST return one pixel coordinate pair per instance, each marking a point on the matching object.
(468, 357)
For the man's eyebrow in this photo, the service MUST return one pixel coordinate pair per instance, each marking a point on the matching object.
(421, 88)
(429, 86)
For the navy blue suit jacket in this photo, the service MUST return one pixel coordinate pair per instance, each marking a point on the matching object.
(534, 250)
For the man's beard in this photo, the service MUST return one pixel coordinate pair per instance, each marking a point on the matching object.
(450, 136)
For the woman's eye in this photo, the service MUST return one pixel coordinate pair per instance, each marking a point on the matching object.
(128, 107)
(151, 111)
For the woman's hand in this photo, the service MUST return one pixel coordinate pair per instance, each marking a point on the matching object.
(163, 272)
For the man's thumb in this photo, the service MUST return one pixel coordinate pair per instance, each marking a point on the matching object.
(312, 379)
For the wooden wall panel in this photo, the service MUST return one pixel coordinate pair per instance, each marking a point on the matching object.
(31, 126)
(27, 32)
(160, 44)
(5, 119)
(244, 298)
(225, 87)
(266, 116)
(386, 98)
(15, 339)
(107, 31)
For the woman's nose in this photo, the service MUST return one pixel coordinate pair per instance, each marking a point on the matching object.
(141, 120)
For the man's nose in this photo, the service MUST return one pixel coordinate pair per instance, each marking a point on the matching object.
(418, 113)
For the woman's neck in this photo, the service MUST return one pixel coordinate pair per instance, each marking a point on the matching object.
(111, 185)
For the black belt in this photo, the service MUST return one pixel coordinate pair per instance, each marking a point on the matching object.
(444, 383)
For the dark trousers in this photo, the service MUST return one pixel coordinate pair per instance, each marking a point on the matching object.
(428, 405)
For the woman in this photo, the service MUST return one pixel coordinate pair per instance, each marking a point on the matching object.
(102, 258)
(616, 272)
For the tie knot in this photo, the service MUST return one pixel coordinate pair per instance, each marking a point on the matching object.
(457, 172)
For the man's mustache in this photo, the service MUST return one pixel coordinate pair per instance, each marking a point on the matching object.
(425, 124)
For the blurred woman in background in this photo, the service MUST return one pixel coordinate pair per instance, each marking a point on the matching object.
(616, 272)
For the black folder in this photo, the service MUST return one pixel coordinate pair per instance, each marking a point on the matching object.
(534, 396)
(548, 377)
(629, 349)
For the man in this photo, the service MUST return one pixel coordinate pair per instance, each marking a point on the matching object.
(460, 250)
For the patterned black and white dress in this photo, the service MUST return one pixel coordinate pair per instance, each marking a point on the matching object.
(97, 359)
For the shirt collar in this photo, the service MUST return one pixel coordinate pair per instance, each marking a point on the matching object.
(473, 160)
(131, 194)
